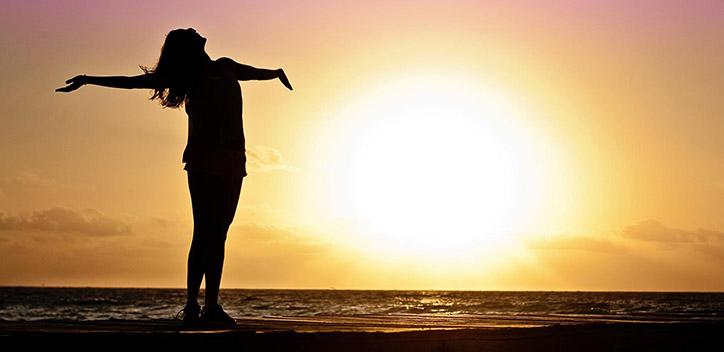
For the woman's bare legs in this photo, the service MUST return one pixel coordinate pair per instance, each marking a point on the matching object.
(195, 272)
(214, 200)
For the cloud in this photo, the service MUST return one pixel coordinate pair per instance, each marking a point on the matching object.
(27, 190)
(255, 235)
(27, 179)
(24, 181)
(649, 231)
(62, 220)
(644, 256)
(654, 231)
(260, 255)
(259, 232)
(574, 243)
(267, 159)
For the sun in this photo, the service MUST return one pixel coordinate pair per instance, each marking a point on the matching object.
(434, 163)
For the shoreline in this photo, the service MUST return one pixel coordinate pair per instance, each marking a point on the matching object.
(300, 335)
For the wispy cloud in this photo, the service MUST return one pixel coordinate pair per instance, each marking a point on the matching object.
(89, 222)
(267, 159)
(574, 243)
(648, 231)
(277, 236)
(22, 182)
(644, 256)
(654, 231)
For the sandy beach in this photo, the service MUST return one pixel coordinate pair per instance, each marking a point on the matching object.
(289, 334)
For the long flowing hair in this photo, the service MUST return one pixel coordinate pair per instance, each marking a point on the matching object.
(177, 69)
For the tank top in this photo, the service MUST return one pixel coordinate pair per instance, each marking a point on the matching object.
(215, 131)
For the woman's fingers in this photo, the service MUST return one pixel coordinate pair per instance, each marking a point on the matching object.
(64, 89)
(73, 84)
(285, 81)
(68, 88)
(287, 84)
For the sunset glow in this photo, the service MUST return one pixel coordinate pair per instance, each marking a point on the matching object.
(433, 162)
(481, 145)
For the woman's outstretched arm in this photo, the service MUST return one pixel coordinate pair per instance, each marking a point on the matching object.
(146, 80)
(248, 73)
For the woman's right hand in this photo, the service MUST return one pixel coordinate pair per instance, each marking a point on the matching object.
(73, 84)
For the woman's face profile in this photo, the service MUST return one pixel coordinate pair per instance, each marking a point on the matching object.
(196, 37)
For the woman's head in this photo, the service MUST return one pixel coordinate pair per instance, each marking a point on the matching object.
(184, 42)
(178, 66)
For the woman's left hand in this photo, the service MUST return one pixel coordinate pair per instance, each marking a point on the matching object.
(284, 79)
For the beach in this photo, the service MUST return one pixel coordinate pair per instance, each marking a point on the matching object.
(289, 334)
(366, 320)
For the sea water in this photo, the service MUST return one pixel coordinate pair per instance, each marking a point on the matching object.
(36, 303)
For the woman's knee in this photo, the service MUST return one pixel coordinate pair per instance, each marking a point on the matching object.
(211, 235)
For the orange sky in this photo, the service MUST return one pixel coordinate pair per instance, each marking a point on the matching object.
(559, 145)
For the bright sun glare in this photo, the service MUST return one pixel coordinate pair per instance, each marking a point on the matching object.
(432, 164)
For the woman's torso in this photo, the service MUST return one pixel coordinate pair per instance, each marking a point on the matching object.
(216, 133)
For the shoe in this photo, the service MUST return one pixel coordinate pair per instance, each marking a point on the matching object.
(215, 315)
(190, 314)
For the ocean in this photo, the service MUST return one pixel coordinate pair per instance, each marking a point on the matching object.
(36, 303)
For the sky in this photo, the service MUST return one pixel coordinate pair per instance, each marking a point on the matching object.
(451, 145)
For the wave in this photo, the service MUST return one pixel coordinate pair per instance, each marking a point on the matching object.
(94, 303)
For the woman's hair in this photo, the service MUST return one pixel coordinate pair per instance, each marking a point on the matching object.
(177, 68)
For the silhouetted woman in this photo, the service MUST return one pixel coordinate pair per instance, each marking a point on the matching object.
(214, 155)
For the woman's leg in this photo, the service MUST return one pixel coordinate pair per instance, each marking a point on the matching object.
(227, 202)
(200, 200)
(195, 271)
(214, 200)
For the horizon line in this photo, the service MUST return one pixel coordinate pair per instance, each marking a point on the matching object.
(360, 289)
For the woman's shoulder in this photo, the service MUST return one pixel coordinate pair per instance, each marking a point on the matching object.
(225, 61)
(217, 68)
(222, 65)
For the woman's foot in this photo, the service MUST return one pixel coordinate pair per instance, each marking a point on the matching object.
(190, 314)
(214, 314)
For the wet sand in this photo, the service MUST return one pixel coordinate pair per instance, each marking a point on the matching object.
(363, 334)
